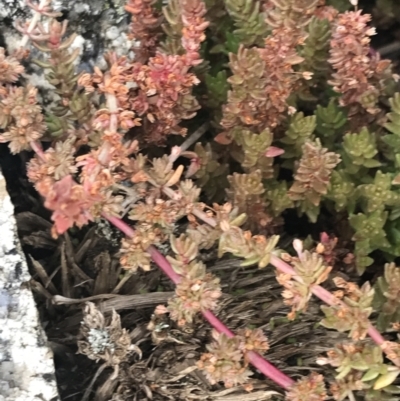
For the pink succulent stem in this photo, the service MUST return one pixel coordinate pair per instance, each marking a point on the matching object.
(269, 370)
(255, 359)
(117, 222)
(163, 264)
(281, 265)
(203, 216)
(284, 267)
(217, 324)
(37, 148)
(377, 337)
(112, 105)
(324, 295)
(156, 256)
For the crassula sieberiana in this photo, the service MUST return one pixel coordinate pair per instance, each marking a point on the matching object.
(226, 115)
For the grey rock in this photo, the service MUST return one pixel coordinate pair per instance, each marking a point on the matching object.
(12, 9)
(26, 362)
(101, 26)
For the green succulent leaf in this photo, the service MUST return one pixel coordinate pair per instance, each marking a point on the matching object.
(360, 151)
(378, 193)
(217, 88)
(300, 130)
(331, 120)
(249, 21)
